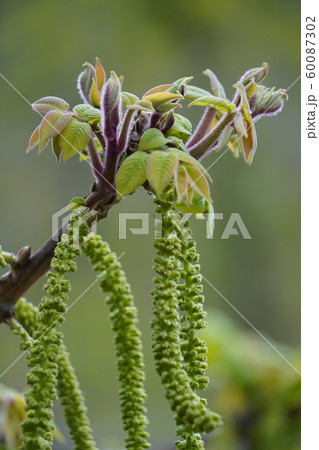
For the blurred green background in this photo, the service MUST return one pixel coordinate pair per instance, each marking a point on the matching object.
(43, 45)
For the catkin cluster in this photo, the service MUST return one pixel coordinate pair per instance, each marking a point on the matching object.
(180, 356)
(3, 262)
(37, 428)
(127, 339)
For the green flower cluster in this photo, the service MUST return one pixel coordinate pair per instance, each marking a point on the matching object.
(3, 262)
(180, 357)
(68, 387)
(37, 428)
(127, 339)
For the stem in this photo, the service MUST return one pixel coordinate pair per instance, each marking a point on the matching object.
(9, 257)
(97, 167)
(202, 127)
(123, 138)
(20, 279)
(200, 150)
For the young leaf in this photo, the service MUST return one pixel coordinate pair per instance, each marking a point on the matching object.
(198, 205)
(210, 217)
(34, 139)
(247, 142)
(198, 181)
(162, 97)
(87, 112)
(95, 95)
(215, 84)
(186, 157)
(181, 182)
(100, 74)
(157, 89)
(76, 203)
(56, 147)
(52, 124)
(131, 174)
(46, 104)
(182, 128)
(218, 103)
(160, 170)
(128, 98)
(74, 138)
(142, 105)
(152, 138)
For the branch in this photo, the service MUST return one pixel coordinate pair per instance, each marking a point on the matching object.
(14, 284)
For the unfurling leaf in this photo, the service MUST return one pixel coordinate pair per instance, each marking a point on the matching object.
(160, 169)
(100, 74)
(76, 203)
(46, 104)
(216, 86)
(157, 89)
(52, 124)
(34, 139)
(142, 105)
(56, 147)
(128, 98)
(85, 81)
(152, 138)
(218, 103)
(131, 174)
(162, 97)
(247, 142)
(74, 138)
(181, 183)
(182, 128)
(210, 218)
(258, 73)
(196, 206)
(186, 157)
(95, 95)
(198, 181)
(87, 112)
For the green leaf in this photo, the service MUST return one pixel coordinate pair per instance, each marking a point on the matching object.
(181, 181)
(46, 104)
(152, 138)
(186, 157)
(160, 170)
(56, 147)
(158, 89)
(247, 142)
(218, 103)
(100, 74)
(198, 205)
(87, 112)
(34, 139)
(76, 203)
(210, 217)
(128, 98)
(198, 181)
(215, 84)
(74, 138)
(131, 174)
(52, 124)
(179, 84)
(193, 93)
(162, 97)
(182, 128)
(95, 95)
(142, 105)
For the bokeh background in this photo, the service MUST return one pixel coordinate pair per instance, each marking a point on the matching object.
(43, 45)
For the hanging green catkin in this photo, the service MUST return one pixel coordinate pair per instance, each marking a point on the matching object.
(127, 339)
(68, 387)
(3, 262)
(190, 409)
(42, 357)
(193, 319)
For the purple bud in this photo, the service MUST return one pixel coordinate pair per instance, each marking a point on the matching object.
(85, 80)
